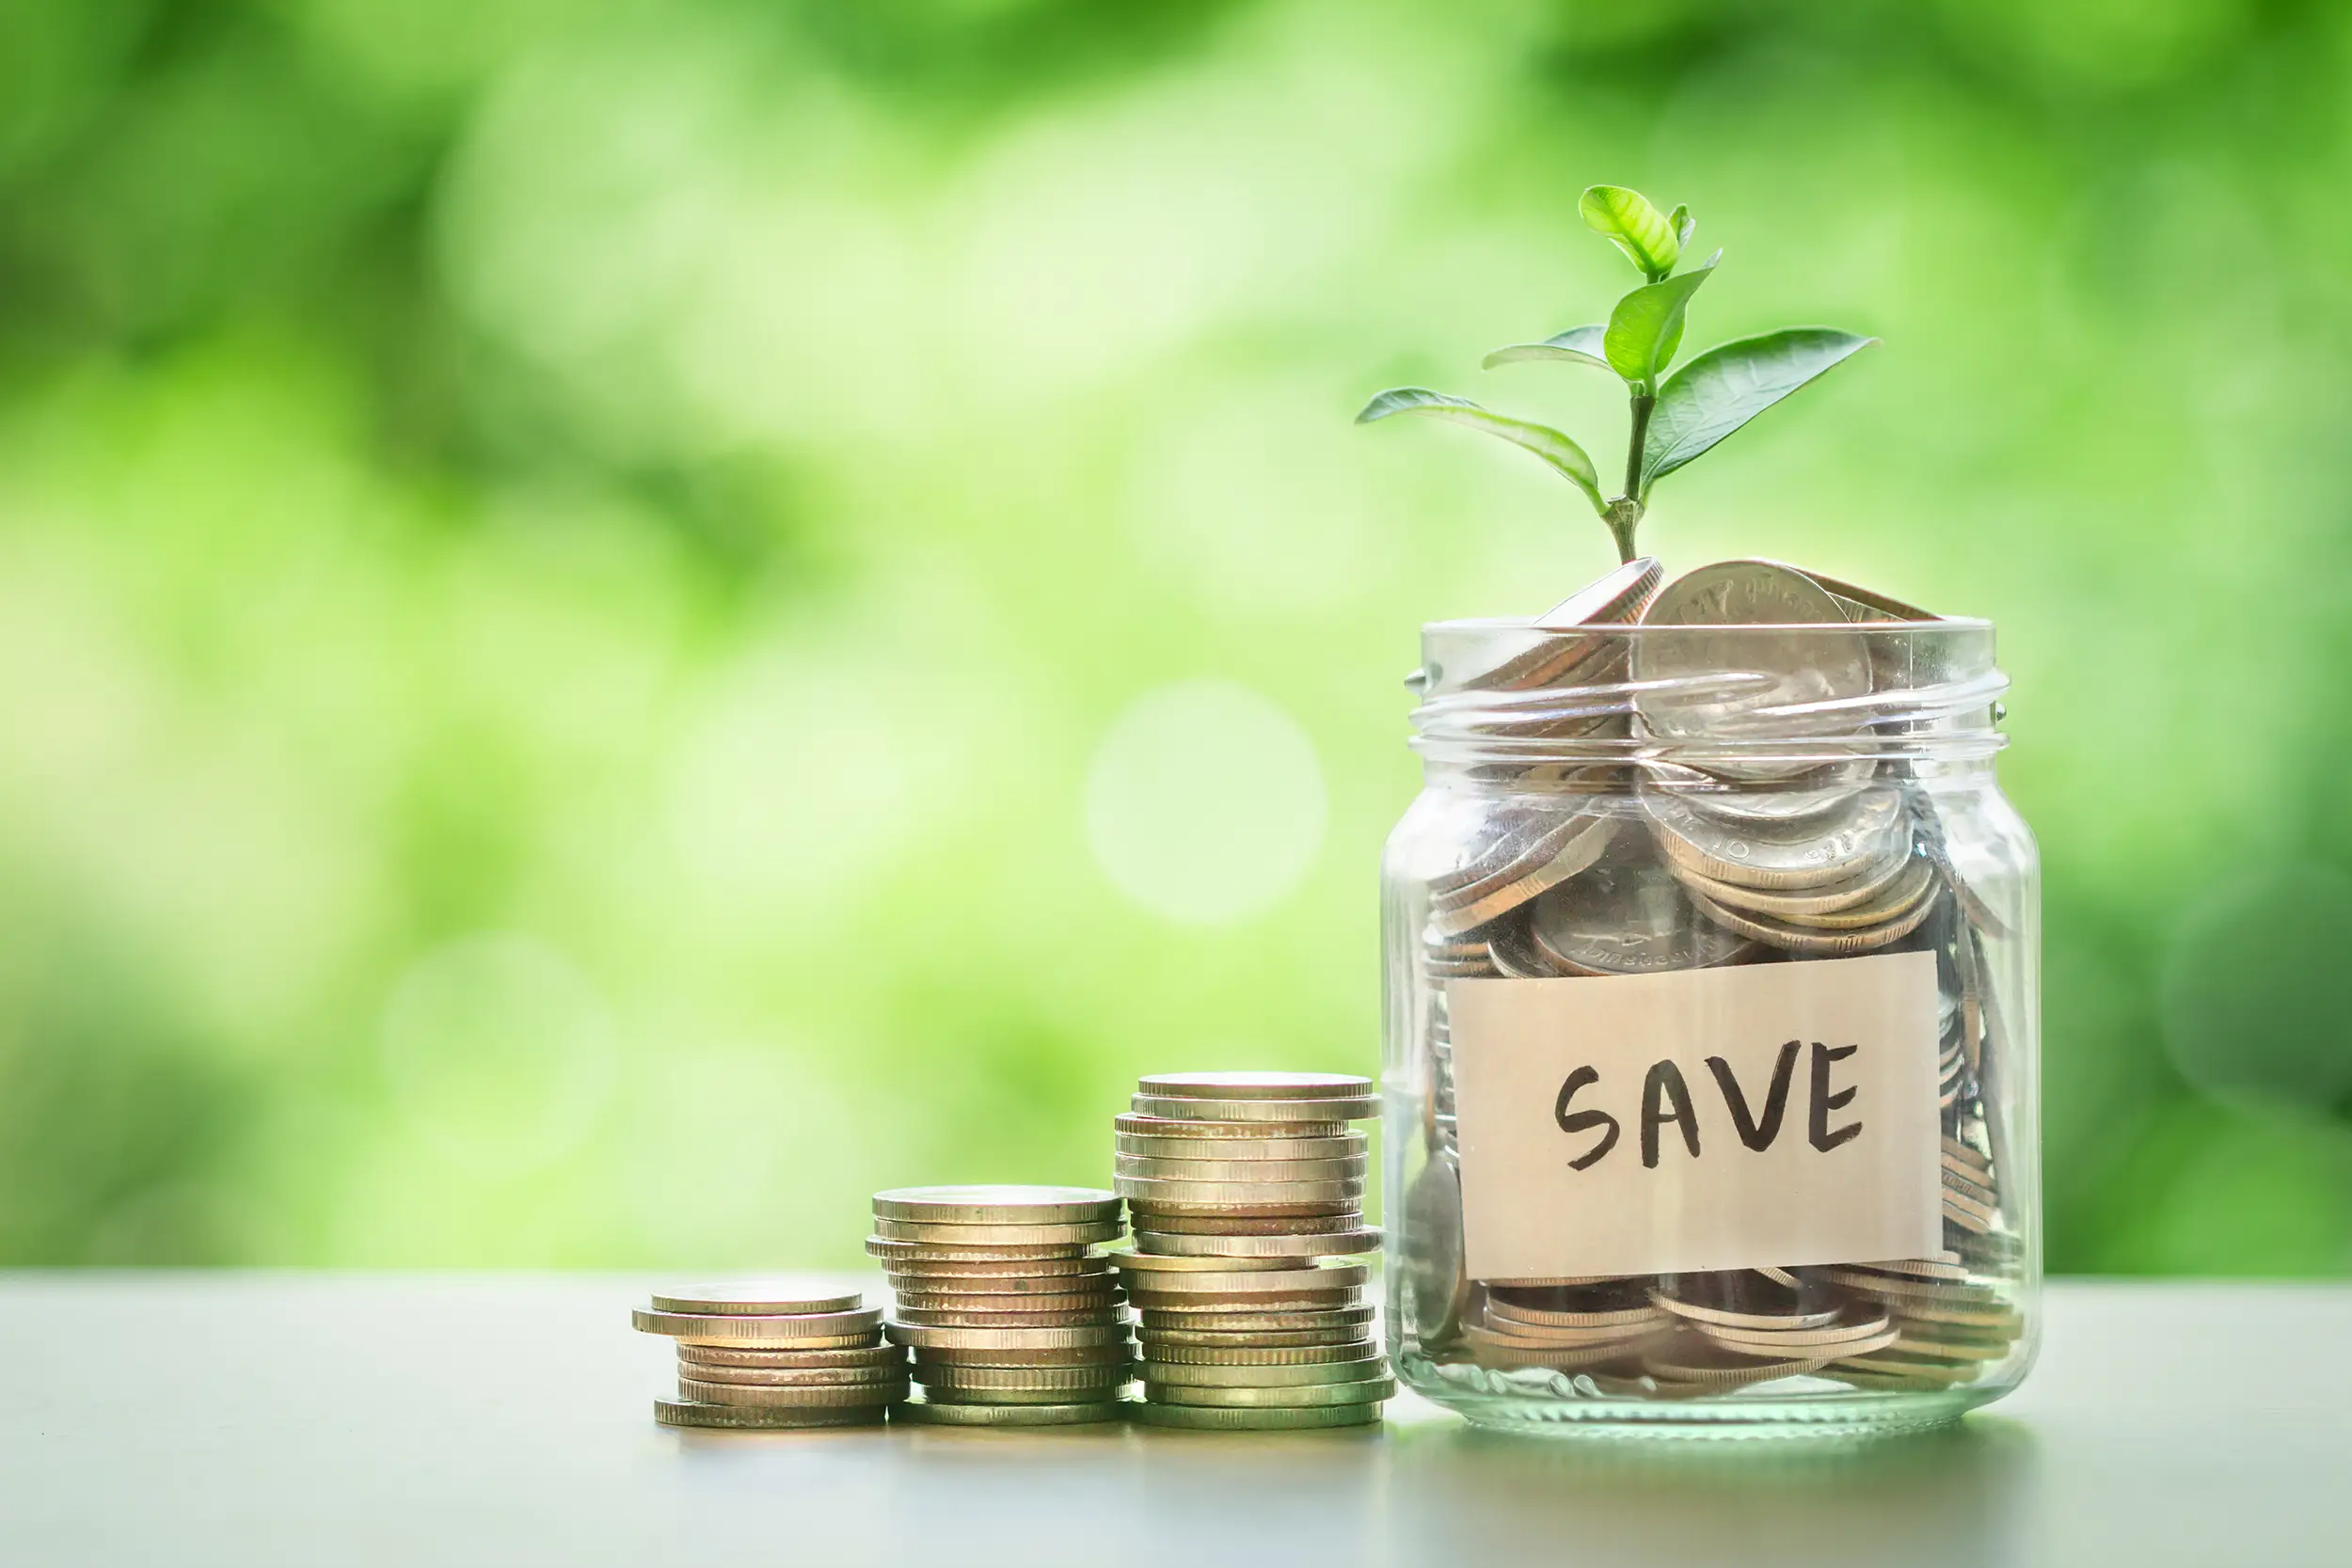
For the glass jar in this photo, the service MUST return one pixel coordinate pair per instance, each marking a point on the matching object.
(1711, 958)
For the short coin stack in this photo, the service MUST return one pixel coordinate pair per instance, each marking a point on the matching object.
(1013, 1315)
(1241, 1186)
(760, 1357)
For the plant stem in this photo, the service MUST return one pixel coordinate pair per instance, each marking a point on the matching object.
(1642, 404)
(1625, 514)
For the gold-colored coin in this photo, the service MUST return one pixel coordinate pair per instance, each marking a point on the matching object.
(994, 1205)
(1255, 1085)
(815, 1330)
(792, 1398)
(1363, 1392)
(923, 1413)
(918, 1317)
(1009, 1300)
(943, 1337)
(1068, 1381)
(1346, 1146)
(1153, 1275)
(1206, 1417)
(1163, 1341)
(934, 1282)
(1152, 1263)
(979, 1259)
(874, 1355)
(938, 1394)
(753, 1417)
(1253, 1130)
(1295, 1375)
(1246, 1172)
(795, 1377)
(1234, 1249)
(1003, 1357)
(929, 1233)
(1227, 1302)
(1262, 1320)
(1167, 1107)
(1242, 1196)
(757, 1298)
(1157, 1351)
(1345, 1217)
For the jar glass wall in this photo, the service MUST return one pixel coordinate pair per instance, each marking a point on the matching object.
(1711, 959)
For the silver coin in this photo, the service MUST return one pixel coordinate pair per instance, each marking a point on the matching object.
(1628, 917)
(1436, 1284)
(1697, 687)
(1857, 837)
(1563, 850)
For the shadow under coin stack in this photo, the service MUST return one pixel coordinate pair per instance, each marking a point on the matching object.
(1012, 1313)
(1242, 1185)
(754, 1357)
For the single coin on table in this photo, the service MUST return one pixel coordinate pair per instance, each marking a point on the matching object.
(922, 1413)
(998, 1205)
(754, 1417)
(757, 1298)
(1205, 1417)
(1255, 1085)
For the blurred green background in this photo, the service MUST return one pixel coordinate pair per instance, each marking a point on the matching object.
(620, 623)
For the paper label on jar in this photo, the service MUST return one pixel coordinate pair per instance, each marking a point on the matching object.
(1713, 1119)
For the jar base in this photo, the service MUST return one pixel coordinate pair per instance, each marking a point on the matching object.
(1748, 1417)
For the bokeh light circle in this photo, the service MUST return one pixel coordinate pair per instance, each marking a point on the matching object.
(1204, 803)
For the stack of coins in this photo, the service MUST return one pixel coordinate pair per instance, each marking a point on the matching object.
(759, 1357)
(1246, 1164)
(1013, 1311)
(1659, 865)
(1241, 1186)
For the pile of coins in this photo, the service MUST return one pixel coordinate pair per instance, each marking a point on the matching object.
(1009, 1305)
(1797, 840)
(759, 1357)
(1242, 1187)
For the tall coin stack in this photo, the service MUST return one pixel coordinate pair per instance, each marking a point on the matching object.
(1242, 1186)
(752, 1357)
(1012, 1312)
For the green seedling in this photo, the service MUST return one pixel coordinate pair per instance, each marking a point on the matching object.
(1675, 417)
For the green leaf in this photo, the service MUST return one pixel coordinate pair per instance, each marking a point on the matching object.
(1646, 328)
(1577, 345)
(1684, 226)
(1564, 455)
(1731, 384)
(1633, 226)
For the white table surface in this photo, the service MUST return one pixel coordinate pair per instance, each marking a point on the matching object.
(263, 1419)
